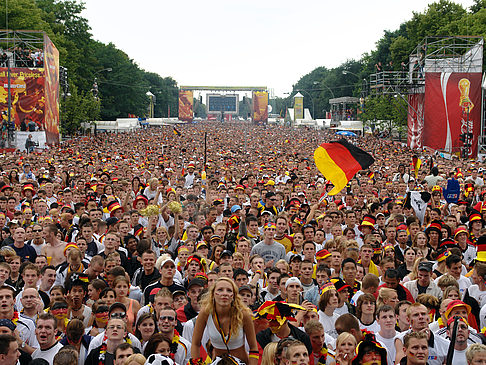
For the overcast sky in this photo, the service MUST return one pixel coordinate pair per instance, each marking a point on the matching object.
(245, 43)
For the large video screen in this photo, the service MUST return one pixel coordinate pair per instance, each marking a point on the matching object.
(218, 103)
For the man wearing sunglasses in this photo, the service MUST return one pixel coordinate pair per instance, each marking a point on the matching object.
(167, 322)
(117, 311)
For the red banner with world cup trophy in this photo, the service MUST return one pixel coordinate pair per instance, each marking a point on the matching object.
(452, 107)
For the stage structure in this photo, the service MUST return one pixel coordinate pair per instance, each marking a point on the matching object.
(442, 87)
(29, 89)
(223, 102)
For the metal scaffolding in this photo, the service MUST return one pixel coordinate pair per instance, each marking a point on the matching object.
(447, 54)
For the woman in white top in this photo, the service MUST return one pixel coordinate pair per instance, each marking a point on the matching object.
(227, 322)
(327, 305)
(365, 311)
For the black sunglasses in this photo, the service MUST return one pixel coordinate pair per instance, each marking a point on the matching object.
(118, 315)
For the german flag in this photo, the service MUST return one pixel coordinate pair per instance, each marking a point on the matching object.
(176, 132)
(416, 162)
(339, 161)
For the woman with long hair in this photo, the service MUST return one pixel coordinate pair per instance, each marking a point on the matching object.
(227, 322)
(387, 296)
(327, 305)
(216, 255)
(268, 356)
(145, 328)
(407, 266)
(365, 312)
(414, 274)
(122, 286)
(419, 243)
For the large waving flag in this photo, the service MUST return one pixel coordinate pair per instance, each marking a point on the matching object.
(339, 161)
(176, 132)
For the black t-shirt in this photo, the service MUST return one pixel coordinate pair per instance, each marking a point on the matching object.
(145, 280)
(149, 298)
(422, 289)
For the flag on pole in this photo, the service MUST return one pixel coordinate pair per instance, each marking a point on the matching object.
(339, 161)
(416, 162)
(176, 132)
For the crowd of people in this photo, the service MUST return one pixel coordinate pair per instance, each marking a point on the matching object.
(21, 57)
(154, 247)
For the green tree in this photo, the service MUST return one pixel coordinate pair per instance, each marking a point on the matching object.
(77, 109)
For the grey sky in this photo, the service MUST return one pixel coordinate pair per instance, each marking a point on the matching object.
(245, 43)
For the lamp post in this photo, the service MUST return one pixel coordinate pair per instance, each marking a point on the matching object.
(152, 102)
(345, 72)
(95, 81)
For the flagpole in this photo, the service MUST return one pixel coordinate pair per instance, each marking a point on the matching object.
(205, 148)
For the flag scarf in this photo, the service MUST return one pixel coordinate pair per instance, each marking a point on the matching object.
(416, 165)
(339, 161)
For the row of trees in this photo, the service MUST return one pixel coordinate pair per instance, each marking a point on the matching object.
(122, 90)
(352, 77)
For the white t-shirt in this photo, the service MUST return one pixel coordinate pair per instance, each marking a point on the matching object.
(329, 323)
(437, 353)
(477, 294)
(374, 327)
(460, 356)
(47, 354)
(389, 344)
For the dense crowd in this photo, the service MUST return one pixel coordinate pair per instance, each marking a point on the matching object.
(154, 247)
(21, 57)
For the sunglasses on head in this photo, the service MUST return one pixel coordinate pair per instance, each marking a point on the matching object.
(118, 315)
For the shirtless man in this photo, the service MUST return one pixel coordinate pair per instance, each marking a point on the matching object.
(54, 248)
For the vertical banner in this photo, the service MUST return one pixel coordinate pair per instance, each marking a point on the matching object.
(415, 120)
(51, 120)
(27, 95)
(260, 107)
(452, 107)
(298, 107)
(186, 101)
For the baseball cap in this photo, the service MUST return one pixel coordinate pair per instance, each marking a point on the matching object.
(196, 281)
(292, 280)
(235, 208)
(425, 265)
(226, 253)
(244, 287)
(166, 261)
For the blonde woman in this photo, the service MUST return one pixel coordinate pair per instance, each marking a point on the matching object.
(345, 349)
(413, 275)
(268, 356)
(387, 296)
(227, 322)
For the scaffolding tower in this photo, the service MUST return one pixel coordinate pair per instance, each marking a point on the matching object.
(463, 54)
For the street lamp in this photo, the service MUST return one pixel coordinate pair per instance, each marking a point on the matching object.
(95, 81)
(345, 72)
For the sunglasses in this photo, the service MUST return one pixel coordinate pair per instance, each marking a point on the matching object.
(167, 318)
(37, 230)
(118, 315)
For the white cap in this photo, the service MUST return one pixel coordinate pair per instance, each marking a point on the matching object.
(292, 280)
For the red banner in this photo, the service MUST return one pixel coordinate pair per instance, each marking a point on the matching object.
(415, 120)
(186, 100)
(452, 107)
(51, 61)
(27, 95)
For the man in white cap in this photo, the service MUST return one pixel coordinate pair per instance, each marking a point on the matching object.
(167, 271)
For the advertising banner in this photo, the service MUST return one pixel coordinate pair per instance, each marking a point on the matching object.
(298, 107)
(452, 107)
(51, 120)
(260, 107)
(415, 120)
(27, 95)
(186, 101)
